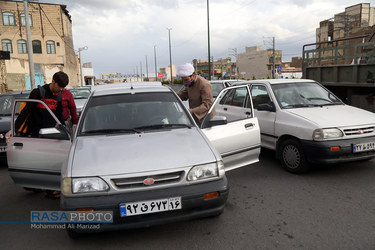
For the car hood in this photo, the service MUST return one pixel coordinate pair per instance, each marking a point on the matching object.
(80, 103)
(335, 116)
(131, 153)
(5, 122)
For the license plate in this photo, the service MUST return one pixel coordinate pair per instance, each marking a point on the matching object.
(152, 206)
(360, 147)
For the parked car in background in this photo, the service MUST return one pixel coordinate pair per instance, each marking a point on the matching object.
(137, 146)
(6, 104)
(307, 124)
(80, 95)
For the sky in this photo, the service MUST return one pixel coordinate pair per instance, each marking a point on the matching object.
(120, 34)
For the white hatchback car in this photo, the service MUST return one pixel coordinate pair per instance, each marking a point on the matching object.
(137, 146)
(307, 124)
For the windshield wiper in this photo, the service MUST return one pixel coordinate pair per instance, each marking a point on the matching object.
(111, 131)
(161, 126)
(299, 106)
(332, 103)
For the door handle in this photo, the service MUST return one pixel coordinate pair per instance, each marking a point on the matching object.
(249, 125)
(18, 144)
(225, 109)
(247, 113)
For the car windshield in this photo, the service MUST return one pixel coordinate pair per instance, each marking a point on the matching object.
(80, 93)
(133, 113)
(6, 103)
(301, 94)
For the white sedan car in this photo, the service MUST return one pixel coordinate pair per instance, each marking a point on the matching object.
(307, 124)
(135, 149)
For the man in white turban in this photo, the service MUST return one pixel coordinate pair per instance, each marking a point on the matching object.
(197, 90)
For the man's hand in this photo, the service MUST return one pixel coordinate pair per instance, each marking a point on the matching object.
(8, 135)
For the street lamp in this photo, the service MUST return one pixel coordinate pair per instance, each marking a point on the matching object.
(80, 62)
(170, 53)
(156, 71)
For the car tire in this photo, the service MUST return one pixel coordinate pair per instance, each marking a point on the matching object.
(292, 157)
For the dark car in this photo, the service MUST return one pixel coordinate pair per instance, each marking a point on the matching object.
(6, 106)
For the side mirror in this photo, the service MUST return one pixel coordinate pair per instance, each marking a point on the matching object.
(214, 121)
(266, 107)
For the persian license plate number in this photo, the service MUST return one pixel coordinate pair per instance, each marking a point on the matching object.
(360, 147)
(152, 206)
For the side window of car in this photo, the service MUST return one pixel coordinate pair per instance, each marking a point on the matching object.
(34, 120)
(259, 95)
(227, 99)
(239, 97)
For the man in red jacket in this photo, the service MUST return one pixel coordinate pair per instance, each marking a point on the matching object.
(69, 110)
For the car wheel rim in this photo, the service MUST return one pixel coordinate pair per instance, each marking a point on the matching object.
(291, 156)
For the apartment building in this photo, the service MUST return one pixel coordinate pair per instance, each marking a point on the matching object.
(52, 43)
(257, 63)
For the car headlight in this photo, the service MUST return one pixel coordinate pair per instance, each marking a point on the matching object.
(327, 133)
(91, 184)
(205, 171)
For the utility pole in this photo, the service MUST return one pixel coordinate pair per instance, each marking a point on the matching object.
(235, 54)
(208, 33)
(29, 46)
(137, 74)
(141, 71)
(80, 62)
(156, 71)
(213, 70)
(273, 58)
(170, 52)
(146, 69)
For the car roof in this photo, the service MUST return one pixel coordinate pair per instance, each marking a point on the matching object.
(129, 87)
(16, 93)
(275, 81)
(229, 80)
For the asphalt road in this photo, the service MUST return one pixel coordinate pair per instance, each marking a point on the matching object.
(268, 208)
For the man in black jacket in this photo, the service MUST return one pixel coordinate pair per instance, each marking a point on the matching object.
(34, 116)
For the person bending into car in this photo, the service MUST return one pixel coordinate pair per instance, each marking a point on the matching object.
(197, 90)
(35, 116)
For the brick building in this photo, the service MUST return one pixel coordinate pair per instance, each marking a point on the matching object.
(52, 43)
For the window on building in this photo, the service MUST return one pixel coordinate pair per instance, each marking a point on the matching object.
(51, 49)
(21, 46)
(23, 20)
(6, 45)
(8, 19)
(37, 47)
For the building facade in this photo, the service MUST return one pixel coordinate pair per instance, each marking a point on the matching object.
(166, 72)
(257, 63)
(52, 43)
(222, 68)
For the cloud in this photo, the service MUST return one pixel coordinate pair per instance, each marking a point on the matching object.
(120, 34)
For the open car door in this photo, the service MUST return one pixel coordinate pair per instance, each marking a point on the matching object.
(231, 127)
(36, 161)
